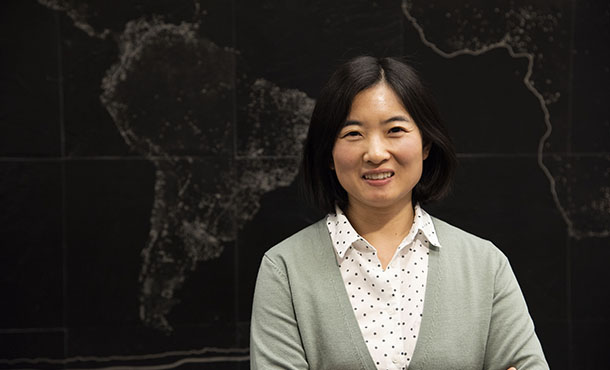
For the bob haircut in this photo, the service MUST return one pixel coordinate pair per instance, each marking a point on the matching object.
(320, 184)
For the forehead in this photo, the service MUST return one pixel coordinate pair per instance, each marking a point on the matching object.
(376, 101)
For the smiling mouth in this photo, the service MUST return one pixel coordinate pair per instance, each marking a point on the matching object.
(378, 176)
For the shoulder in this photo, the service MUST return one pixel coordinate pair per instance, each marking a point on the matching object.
(302, 248)
(464, 245)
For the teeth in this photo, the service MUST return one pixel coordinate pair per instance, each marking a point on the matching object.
(378, 176)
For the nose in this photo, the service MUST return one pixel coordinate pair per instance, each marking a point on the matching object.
(377, 151)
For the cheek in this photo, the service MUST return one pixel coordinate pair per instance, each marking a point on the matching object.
(410, 152)
(346, 164)
(415, 146)
(344, 157)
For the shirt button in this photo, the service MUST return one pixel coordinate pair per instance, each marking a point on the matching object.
(394, 361)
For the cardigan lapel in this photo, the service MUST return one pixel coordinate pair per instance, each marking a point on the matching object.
(427, 330)
(330, 266)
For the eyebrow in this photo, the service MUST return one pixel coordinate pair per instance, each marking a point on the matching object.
(391, 119)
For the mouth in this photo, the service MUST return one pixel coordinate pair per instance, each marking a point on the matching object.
(378, 175)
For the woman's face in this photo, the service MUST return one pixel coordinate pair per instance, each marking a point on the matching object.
(378, 155)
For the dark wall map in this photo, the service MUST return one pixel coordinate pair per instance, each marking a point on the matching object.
(149, 156)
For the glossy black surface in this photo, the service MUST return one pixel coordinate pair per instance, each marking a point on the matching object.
(590, 122)
(31, 252)
(106, 224)
(29, 80)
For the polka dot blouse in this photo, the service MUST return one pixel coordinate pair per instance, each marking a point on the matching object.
(389, 303)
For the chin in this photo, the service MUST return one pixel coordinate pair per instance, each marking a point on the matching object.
(381, 203)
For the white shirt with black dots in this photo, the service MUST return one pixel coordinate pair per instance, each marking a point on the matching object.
(389, 303)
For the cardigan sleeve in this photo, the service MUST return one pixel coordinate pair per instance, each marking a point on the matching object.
(275, 342)
(511, 340)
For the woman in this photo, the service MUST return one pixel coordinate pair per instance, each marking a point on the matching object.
(379, 283)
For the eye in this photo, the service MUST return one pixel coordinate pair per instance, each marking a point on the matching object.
(350, 134)
(396, 130)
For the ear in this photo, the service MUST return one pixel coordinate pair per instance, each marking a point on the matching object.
(426, 150)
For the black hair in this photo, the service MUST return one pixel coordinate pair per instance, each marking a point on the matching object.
(320, 183)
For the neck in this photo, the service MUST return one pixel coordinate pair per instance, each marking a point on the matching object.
(394, 221)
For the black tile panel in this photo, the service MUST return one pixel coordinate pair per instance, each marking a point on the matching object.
(296, 44)
(31, 344)
(149, 250)
(587, 185)
(31, 251)
(144, 74)
(590, 348)
(89, 128)
(104, 19)
(29, 81)
(108, 222)
(149, 346)
(271, 121)
(173, 94)
(554, 337)
(591, 77)
(590, 277)
(495, 67)
(483, 100)
(160, 89)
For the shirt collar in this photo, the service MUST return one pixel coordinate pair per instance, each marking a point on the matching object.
(341, 231)
(423, 226)
(343, 234)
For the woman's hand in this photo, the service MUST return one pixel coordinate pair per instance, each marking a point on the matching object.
(512, 368)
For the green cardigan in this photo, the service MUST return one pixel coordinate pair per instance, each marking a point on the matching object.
(474, 316)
